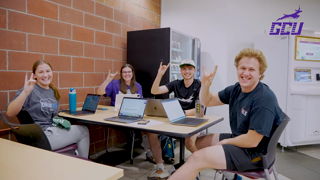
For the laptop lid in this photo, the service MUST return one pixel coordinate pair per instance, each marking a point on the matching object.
(119, 98)
(173, 109)
(155, 108)
(133, 107)
(91, 102)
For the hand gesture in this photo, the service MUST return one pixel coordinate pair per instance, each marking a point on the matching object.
(111, 76)
(163, 68)
(29, 84)
(207, 77)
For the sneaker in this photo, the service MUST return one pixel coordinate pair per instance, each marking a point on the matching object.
(198, 177)
(159, 174)
(237, 177)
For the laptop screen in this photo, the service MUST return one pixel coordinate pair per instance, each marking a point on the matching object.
(133, 107)
(91, 102)
(173, 109)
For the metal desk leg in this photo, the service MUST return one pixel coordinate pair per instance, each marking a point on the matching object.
(107, 144)
(132, 145)
(181, 159)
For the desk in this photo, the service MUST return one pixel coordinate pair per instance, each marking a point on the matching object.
(179, 132)
(19, 161)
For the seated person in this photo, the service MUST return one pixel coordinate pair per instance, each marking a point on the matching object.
(187, 91)
(41, 100)
(126, 84)
(254, 116)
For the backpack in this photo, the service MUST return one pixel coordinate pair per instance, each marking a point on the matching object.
(168, 146)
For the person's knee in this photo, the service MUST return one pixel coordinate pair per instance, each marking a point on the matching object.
(196, 157)
(152, 136)
(189, 143)
(83, 130)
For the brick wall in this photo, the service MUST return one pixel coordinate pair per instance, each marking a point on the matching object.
(82, 39)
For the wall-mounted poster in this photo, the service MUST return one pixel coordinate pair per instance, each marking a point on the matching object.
(307, 48)
(302, 75)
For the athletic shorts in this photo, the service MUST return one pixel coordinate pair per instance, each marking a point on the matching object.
(239, 159)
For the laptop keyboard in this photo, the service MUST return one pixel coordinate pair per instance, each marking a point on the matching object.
(191, 121)
(186, 120)
(129, 118)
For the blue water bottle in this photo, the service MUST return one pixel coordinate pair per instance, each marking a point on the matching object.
(72, 99)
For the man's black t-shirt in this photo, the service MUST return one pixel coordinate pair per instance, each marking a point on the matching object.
(257, 110)
(186, 95)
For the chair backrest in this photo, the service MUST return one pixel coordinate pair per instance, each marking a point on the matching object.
(269, 158)
(25, 118)
(30, 134)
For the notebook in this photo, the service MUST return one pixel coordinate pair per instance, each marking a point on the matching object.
(131, 110)
(89, 107)
(176, 115)
(155, 108)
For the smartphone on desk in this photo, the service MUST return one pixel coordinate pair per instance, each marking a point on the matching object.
(143, 122)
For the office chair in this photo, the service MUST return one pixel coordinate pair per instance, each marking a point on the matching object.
(33, 135)
(25, 118)
(269, 158)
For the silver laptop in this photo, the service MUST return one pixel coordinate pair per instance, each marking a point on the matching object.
(131, 110)
(155, 108)
(176, 115)
(119, 98)
(89, 107)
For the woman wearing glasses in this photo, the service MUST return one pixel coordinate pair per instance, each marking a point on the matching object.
(126, 84)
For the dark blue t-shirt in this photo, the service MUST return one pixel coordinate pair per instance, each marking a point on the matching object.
(257, 110)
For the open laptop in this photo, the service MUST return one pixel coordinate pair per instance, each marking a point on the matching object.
(155, 108)
(89, 107)
(119, 98)
(176, 115)
(131, 110)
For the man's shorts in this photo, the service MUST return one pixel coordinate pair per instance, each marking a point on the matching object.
(239, 159)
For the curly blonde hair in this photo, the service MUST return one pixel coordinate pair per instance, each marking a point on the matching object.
(253, 53)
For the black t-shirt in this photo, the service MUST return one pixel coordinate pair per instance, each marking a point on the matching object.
(257, 110)
(186, 95)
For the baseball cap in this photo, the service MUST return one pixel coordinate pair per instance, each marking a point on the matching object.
(188, 62)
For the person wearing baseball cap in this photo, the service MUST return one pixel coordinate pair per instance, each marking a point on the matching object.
(187, 91)
(188, 62)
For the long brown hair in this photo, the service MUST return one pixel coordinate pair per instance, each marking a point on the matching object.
(34, 68)
(123, 85)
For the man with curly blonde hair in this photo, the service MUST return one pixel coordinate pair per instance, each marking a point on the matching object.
(254, 115)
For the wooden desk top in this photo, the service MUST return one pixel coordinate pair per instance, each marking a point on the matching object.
(19, 161)
(169, 129)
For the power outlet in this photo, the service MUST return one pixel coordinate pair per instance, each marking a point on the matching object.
(316, 132)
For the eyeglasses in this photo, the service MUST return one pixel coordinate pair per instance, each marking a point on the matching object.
(126, 72)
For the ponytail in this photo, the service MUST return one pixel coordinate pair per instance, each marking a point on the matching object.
(56, 91)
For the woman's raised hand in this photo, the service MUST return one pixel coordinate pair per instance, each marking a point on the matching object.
(29, 84)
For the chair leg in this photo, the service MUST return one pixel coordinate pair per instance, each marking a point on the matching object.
(275, 173)
(132, 145)
(76, 151)
(223, 178)
(216, 175)
(107, 144)
(266, 171)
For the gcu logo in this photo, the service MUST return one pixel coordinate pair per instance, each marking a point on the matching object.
(283, 25)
